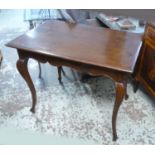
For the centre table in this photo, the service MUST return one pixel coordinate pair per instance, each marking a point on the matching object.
(93, 50)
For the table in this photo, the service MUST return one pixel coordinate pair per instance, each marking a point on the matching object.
(97, 51)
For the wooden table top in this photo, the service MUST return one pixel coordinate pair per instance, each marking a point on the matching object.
(82, 43)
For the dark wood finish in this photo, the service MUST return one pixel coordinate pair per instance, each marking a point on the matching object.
(120, 93)
(97, 51)
(146, 67)
(23, 70)
(81, 43)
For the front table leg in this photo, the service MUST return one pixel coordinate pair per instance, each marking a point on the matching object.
(120, 92)
(22, 68)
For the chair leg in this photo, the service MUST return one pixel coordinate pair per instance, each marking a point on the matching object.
(60, 70)
(63, 71)
(59, 74)
(1, 58)
(39, 69)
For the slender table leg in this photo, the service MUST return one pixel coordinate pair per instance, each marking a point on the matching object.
(120, 92)
(23, 70)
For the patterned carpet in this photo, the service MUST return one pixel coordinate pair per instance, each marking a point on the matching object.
(73, 111)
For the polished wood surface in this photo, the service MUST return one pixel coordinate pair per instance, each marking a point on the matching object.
(97, 51)
(146, 68)
(83, 44)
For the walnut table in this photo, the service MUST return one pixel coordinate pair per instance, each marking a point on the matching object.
(97, 51)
